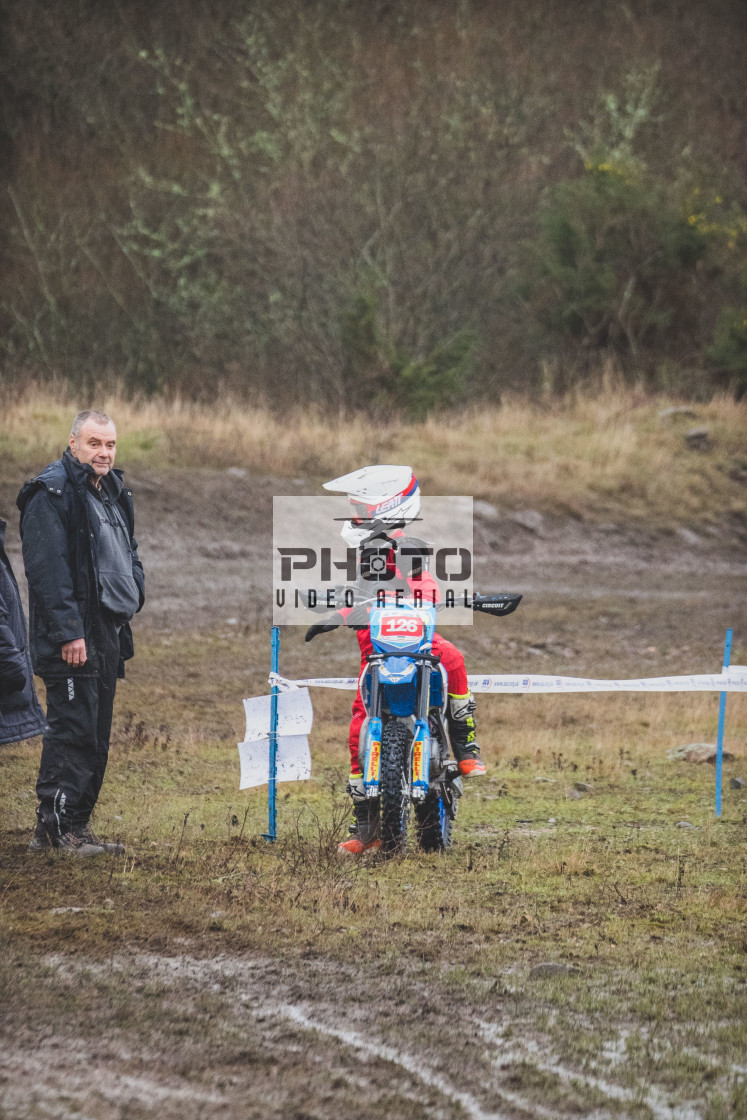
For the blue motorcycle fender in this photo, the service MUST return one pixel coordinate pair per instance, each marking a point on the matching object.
(372, 757)
(397, 671)
(421, 760)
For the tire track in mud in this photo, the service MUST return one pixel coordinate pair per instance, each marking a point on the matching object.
(414, 1066)
(36, 1088)
(529, 1051)
(513, 1055)
(410, 1058)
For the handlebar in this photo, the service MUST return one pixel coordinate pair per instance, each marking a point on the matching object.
(498, 604)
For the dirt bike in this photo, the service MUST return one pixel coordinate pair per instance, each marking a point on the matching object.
(405, 753)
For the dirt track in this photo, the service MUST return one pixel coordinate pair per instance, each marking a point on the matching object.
(206, 537)
(599, 600)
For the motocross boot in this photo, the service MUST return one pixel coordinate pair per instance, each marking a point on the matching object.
(461, 721)
(364, 831)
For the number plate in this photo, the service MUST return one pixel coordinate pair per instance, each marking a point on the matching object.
(402, 626)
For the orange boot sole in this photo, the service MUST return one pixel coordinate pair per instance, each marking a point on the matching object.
(472, 768)
(356, 847)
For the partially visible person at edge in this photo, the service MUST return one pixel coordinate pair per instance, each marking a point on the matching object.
(390, 495)
(85, 584)
(21, 716)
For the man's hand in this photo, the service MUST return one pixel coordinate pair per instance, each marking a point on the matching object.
(74, 653)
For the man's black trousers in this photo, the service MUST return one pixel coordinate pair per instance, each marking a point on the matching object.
(75, 746)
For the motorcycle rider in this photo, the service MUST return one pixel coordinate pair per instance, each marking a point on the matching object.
(384, 496)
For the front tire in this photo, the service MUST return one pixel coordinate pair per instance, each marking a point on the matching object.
(433, 822)
(394, 787)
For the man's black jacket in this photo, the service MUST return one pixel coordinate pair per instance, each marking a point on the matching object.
(59, 554)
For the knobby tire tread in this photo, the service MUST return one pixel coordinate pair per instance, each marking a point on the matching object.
(395, 754)
(433, 831)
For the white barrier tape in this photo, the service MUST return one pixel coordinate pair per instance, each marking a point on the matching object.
(730, 680)
(734, 680)
(284, 683)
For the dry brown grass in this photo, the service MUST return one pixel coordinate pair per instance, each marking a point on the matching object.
(613, 455)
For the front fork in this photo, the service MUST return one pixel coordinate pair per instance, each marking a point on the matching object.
(421, 760)
(421, 740)
(372, 757)
(372, 753)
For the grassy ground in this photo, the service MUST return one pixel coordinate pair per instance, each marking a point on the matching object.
(618, 454)
(631, 885)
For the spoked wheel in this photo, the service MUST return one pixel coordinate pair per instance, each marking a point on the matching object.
(434, 817)
(395, 803)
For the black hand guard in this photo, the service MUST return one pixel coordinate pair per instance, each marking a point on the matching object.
(314, 630)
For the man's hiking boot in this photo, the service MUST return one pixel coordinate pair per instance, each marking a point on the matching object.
(74, 845)
(88, 836)
(81, 841)
(40, 841)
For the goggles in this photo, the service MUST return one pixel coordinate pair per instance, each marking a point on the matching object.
(360, 512)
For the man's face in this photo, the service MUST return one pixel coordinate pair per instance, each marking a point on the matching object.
(96, 444)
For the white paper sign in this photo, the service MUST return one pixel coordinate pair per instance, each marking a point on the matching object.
(293, 761)
(295, 715)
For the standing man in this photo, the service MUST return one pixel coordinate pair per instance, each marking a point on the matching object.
(85, 584)
(21, 716)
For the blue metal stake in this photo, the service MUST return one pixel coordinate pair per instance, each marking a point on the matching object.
(271, 834)
(721, 721)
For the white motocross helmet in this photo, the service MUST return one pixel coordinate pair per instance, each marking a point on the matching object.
(382, 493)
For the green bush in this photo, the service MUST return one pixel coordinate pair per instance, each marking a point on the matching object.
(384, 377)
(635, 261)
(728, 353)
(616, 261)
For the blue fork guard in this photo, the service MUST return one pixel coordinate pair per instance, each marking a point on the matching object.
(421, 744)
(372, 757)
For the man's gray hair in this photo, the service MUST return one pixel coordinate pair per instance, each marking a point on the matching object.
(89, 414)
